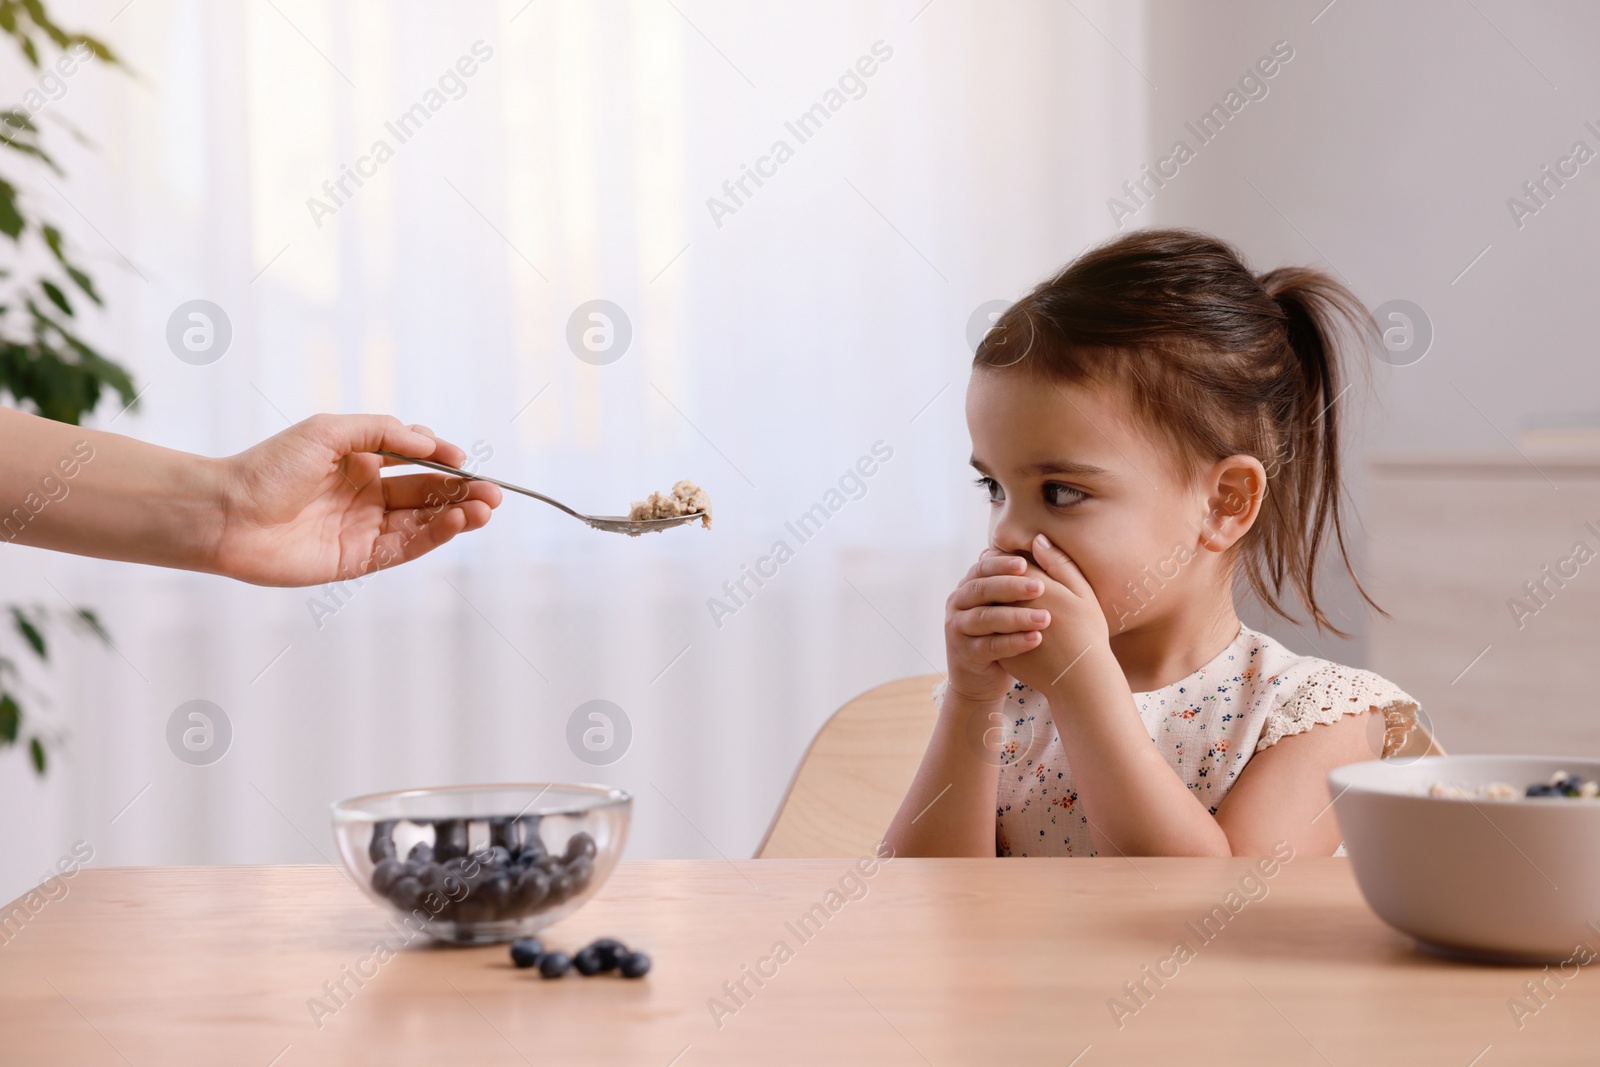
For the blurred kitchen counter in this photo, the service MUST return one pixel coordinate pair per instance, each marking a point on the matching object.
(1061, 961)
(1453, 544)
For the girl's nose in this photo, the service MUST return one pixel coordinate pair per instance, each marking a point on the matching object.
(1009, 534)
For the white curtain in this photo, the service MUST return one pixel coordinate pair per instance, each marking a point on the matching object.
(776, 339)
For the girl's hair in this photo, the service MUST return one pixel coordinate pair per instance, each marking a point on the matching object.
(1225, 363)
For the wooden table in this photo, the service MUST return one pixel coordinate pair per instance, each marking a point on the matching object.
(936, 962)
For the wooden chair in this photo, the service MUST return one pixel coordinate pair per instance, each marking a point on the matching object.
(851, 780)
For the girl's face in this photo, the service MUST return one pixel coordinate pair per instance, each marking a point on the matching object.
(1073, 462)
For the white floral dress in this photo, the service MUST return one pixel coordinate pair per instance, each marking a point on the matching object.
(1252, 695)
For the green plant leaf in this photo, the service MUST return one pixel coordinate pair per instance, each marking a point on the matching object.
(28, 148)
(10, 719)
(17, 119)
(65, 390)
(8, 19)
(31, 52)
(85, 283)
(11, 220)
(57, 297)
(30, 633)
(57, 245)
(101, 50)
(88, 618)
(41, 18)
(52, 237)
(111, 374)
(36, 750)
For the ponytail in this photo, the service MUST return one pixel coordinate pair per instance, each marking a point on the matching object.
(1302, 516)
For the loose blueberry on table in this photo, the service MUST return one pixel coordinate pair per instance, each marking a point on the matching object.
(527, 951)
(604, 954)
(610, 951)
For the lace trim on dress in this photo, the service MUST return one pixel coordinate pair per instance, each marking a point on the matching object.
(1335, 691)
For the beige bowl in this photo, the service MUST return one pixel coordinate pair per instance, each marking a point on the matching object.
(1511, 881)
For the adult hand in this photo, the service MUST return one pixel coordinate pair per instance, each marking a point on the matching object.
(309, 505)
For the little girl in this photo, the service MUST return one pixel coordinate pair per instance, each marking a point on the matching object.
(1152, 427)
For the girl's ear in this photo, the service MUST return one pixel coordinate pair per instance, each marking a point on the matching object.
(1235, 488)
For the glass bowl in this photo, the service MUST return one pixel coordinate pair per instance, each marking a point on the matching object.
(475, 864)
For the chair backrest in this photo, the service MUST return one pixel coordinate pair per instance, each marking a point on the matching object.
(851, 780)
(860, 765)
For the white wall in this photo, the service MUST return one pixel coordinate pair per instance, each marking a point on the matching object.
(1386, 150)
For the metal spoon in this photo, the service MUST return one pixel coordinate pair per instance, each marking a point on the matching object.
(608, 523)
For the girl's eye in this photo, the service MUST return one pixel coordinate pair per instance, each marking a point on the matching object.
(1061, 496)
(992, 487)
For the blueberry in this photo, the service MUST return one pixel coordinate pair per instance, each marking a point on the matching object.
(579, 844)
(449, 839)
(587, 962)
(529, 889)
(526, 951)
(406, 893)
(386, 873)
(502, 832)
(467, 870)
(496, 894)
(455, 889)
(635, 965)
(421, 852)
(473, 909)
(554, 964)
(382, 845)
(532, 847)
(550, 865)
(1539, 789)
(561, 890)
(578, 874)
(496, 856)
(432, 878)
(610, 951)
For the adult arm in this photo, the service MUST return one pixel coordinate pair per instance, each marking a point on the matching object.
(303, 507)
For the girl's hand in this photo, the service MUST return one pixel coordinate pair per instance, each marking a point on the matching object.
(1078, 625)
(982, 627)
